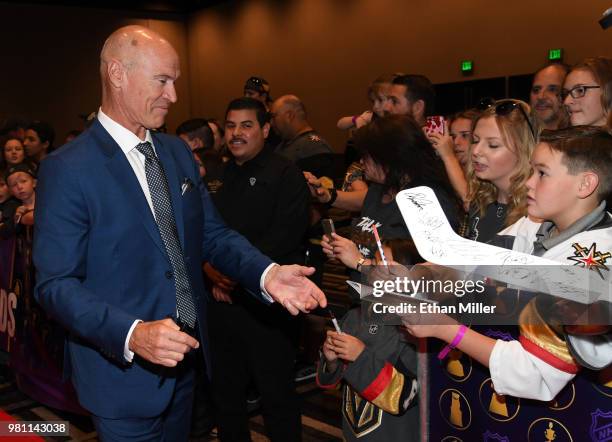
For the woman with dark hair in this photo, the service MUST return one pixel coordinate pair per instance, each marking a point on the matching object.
(396, 155)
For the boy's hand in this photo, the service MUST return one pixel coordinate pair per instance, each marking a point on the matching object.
(347, 347)
(328, 350)
(341, 248)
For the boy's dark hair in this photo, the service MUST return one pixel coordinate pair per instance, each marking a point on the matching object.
(197, 128)
(246, 103)
(44, 131)
(418, 87)
(584, 148)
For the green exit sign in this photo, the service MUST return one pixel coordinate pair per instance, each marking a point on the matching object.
(467, 66)
(555, 54)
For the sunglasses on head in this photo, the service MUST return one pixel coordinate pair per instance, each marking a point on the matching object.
(504, 107)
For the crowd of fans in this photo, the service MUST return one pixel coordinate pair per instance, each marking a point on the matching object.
(479, 163)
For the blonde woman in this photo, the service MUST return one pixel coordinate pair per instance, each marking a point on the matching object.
(503, 140)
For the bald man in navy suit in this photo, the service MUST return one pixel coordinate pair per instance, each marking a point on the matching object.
(122, 226)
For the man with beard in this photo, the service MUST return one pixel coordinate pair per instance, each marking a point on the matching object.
(410, 94)
(545, 98)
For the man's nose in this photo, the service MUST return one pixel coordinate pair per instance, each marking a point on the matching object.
(170, 93)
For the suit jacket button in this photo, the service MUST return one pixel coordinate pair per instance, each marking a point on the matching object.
(169, 274)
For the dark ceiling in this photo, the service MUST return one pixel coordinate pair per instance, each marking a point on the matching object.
(141, 6)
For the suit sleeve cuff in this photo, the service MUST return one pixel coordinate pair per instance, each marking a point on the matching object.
(262, 281)
(127, 353)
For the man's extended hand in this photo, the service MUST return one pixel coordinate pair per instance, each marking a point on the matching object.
(289, 286)
(161, 342)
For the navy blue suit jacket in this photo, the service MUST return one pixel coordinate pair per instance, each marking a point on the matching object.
(101, 263)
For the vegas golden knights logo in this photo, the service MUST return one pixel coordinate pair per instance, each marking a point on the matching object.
(363, 416)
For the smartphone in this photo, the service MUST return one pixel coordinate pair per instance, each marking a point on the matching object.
(328, 226)
(435, 124)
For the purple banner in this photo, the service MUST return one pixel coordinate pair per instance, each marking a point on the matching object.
(8, 299)
(34, 341)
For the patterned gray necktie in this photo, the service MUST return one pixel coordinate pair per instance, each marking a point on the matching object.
(164, 216)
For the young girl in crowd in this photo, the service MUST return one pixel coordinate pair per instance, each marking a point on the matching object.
(377, 365)
(503, 140)
(21, 180)
(460, 130)
(587, 92)
(452, 147)
(377, 94)
(13, 152)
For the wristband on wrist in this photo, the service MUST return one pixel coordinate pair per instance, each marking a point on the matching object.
(456, 340)
(360, 263)
(354, 120)
(333, 193)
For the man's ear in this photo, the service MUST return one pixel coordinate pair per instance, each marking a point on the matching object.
(266, 130)
(589, 182)
(115, 72)
(418, 110)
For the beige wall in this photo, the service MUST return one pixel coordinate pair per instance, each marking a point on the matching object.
(49, 67)
(327, 51)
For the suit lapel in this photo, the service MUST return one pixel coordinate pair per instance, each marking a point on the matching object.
(122, 171)
(174, 183)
